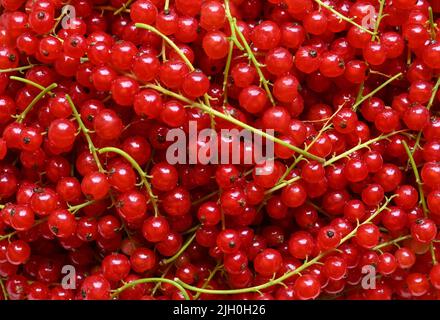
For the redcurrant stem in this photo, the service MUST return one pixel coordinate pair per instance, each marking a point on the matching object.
(75, 209)
(208, 280)
(428, 106)
(231, 21)
(324, 128)
(148, 280)
(417, 176)
(233, 121)
(283, 184)
(166, 7)
(433, 94)
(8, 236)
(11, 234)
(191, 230)
(360, 146)
(287, 275)
(123, 7)
(255, 62)
(85, 132)
(179, 253)
(179, 52)
(5, 293)
(379, 73)
(165, 272)
(433, 257)
(378, 20)
(203, 199)
(432, 23)
(360, 92)
(29, 82)
(168, 41)
(392, 242)
(19, 69)
(226, 72)
(372, 93)
(318, 208)
(141, 173)
(342, 17)
(23, 115)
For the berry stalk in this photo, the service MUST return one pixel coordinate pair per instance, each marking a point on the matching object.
(85, 132)
(142, 174)
(417, 177)
(149, 280)
(22, 116)
(233, 121)
(372, 93)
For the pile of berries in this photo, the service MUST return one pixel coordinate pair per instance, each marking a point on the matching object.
(92, 208)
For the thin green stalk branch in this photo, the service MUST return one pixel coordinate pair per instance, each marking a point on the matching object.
(123, 7)
(342, 17)
(182, 250)
(232, 120)
(380, 15)
(19, 69)
(428, 106)
(372, 93)
(391, 242)
(432, 24)
(22, 116)
(142, 174)
(417, 176)
(149, 280)
(256, 64)
(85, 132)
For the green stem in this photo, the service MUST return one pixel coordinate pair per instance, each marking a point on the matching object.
(45, 91)
(205, 284)
(149, 280)
(417, 176)
(153, 292)
(433, 257)
(179, 52)
(203, 199)
(378, 20)
(433, 94)
(5, 293)
(26, 81)
(233, 121)
(141, 173)
(432, 23)
(166, 7)
(428, 106)
(226, 73)
(342, 17)
(182, 250)
(232, 22)
(255, 62)
(392, 242)
(287, 275)
(372, 93)
(168, 41)
(75, 209)
(17, 69)
(85, 132)
(358, 147)
(8, 236)
(123, 7)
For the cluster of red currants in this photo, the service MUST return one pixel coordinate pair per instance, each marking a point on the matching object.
(90, 89)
